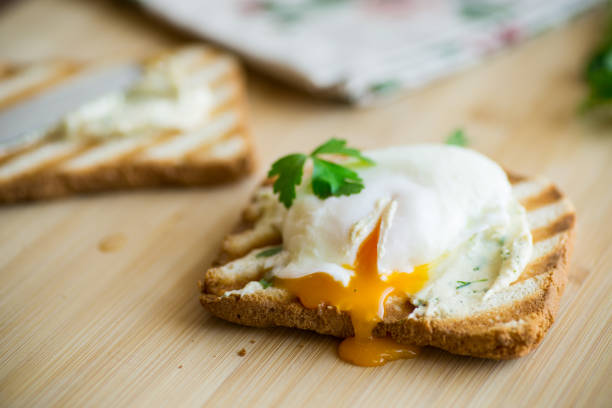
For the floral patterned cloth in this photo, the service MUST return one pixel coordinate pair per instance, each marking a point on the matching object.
(361, 49)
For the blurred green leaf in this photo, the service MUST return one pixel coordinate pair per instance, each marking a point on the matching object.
(598, 73)
(457, 138)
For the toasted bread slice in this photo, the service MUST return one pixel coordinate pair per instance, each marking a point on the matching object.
(509, 326)
(219, 150)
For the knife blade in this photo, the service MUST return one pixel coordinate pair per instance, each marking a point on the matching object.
(26, 121)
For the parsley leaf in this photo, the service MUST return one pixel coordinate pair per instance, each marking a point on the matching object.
(331, 179)
(328, 178)
(269, 252)
(338, 146)
(289, 170)
(457, 138)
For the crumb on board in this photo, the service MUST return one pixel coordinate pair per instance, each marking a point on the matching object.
(241, 352)
(252, 341)
(180, 366)
(112, 243)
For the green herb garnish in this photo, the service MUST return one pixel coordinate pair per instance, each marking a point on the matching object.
(328, 178)
(598, 73)
(384, 86)
(505, 254)
(463, 284)
(457, 138)
(265, 283)
(269, 252)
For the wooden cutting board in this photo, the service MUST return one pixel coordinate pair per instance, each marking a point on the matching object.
(98, 296)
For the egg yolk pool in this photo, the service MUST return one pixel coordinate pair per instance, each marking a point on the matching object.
(364, 299)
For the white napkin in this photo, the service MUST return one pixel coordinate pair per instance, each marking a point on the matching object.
(362, 49)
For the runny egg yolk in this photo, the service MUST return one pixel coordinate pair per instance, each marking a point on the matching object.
(364, 299)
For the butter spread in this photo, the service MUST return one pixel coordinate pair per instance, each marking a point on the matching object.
(167, 97)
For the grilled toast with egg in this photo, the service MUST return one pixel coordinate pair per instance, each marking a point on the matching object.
(215, 150)
(510, 324)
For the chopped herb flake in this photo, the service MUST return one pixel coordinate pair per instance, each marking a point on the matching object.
(462, 284)
(265, 283)
(385, 86)
(505, 254)
(269, 252)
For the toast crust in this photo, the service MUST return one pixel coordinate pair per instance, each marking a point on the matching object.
(505, 332)
(126, 171)
(45, 185)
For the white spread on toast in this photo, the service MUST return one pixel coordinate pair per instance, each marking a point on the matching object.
(445, 207)
(171, 95)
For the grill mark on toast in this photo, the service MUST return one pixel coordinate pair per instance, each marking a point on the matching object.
(215, 70)
(208, 55)
(157, 140)
(528, 188)
(232, 75)
(241, 243)
(543, 247)
(55, 163)
(20, 150)
(61, 75)
(540, 266)
(515, 178)
(205, 55)
(6, 70)
(207, 145)
(122, 156)
(562, 224)
(231, 103)
(218, 121)
(546, 215)
(43, 164)
(548, 196)
(233, 145)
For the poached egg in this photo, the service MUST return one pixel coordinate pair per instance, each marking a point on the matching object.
(435, 224)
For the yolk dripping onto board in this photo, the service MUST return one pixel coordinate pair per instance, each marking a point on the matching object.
(364, 299)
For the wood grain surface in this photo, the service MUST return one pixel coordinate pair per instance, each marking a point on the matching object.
(98, 297)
